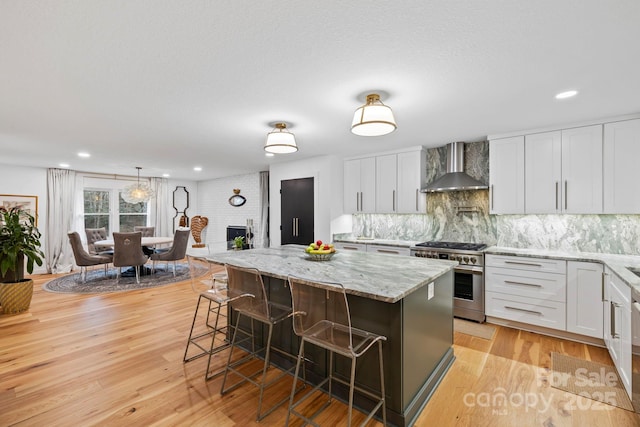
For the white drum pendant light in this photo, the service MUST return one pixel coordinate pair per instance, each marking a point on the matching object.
(280, 140)
(373, 118)
(138, 192)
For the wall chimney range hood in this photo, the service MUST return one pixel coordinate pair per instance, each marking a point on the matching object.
(455, 179)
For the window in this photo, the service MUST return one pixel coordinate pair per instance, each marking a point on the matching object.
(102, 210)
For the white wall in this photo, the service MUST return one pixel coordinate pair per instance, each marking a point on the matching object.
(28, 181)
(213, 202)
(327, 173)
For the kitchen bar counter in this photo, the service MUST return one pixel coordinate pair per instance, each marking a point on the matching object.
(374, 276)
(408, 300)
(617, 263)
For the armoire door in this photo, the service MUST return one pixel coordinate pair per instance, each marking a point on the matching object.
(296, 196)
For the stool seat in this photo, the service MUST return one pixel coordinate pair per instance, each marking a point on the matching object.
(321, 317)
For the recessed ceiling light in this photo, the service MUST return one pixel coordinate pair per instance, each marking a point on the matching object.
(64, 165)
(269, 154)
(166, 175)
(197, 168)
(83, 154)
(567, 94)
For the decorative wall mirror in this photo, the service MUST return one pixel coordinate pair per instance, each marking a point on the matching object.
(237, 200)
(180, 205)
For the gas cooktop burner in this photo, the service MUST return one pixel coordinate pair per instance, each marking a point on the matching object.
(461, 246)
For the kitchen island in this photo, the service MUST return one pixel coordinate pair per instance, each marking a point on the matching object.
(408, 300)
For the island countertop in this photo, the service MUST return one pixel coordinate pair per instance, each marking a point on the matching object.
(385, 278)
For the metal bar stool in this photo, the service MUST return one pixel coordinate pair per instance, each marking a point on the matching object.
(248, 299)
(321, 317)
(217, 299)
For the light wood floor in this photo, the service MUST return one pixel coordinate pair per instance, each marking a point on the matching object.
(116, 359)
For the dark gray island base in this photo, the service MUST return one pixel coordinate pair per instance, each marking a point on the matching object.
(408, 300)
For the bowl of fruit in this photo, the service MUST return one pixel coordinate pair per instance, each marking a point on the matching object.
(318, 251)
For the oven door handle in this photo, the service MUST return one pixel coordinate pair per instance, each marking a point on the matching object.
(469, 269)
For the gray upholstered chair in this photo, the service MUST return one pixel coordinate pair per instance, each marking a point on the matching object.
(85, 259)
(146, 231)
(177, 251)
(127, 252)
(93, 235)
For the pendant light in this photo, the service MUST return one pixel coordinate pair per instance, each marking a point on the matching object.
(373, 118)
(280, 140)
(138, 192)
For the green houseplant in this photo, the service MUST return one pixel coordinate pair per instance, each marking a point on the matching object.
(19, 239)
(238, 242)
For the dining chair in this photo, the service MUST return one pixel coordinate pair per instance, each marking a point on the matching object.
(176, 252)
(85, 259)
(321, 317)
(127, 252)
(248, 299)
(94, 235)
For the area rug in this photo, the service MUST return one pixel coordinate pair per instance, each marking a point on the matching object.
(479, 330)
(589, 379)
(97, 282)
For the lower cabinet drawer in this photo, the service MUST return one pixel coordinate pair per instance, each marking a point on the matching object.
(546, 313)
(534, 284)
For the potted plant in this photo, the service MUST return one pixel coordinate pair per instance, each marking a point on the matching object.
(19, 239)
(238, 242)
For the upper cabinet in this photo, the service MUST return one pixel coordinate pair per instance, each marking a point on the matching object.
(621, 154)
(563, 171)
(581, 170)
(393, 179)
(506, 175)
(360, 185)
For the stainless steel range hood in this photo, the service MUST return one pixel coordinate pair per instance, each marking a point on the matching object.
(455, 179)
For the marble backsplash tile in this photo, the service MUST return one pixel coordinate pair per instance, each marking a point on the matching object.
(448, 218)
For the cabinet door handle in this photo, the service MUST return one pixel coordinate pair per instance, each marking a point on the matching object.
(293, 227)
(350, 248)
(357, 201)
(614, 333)
(523, 310)
(387, 251)
(532, 264)
(417, 193)
(604, 279)
(297, 227)
(393, 200)
(361, 207)
(556, 195)
(522, 283)
(565, 195)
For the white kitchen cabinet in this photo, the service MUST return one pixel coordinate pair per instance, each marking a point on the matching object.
(386, 183)
(526, 289)
(343, 246)
(617, 332)
(543, 172)
(582, 170)
(621, 154)
(506, 175)
(585, 285)
(388, 250)
(563, 171)
(412, 177)
(360, 185)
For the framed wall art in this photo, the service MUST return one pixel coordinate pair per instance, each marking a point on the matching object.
(26, 203)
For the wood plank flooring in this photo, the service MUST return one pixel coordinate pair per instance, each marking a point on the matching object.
(116, 359)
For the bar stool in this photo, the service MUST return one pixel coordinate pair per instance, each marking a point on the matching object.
(217, 306)
(248, 298)
(321, 317)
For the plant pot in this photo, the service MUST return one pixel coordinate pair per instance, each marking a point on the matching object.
(16, 297)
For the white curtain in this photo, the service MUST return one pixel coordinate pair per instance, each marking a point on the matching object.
(160, 217)
(61, 194)
(264, 203)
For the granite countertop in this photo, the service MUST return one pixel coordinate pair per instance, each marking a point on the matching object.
(379, 277)
(617, 263)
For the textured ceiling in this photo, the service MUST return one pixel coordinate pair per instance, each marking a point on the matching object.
(168, 85)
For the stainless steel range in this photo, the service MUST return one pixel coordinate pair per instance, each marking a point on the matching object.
(468, 283)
